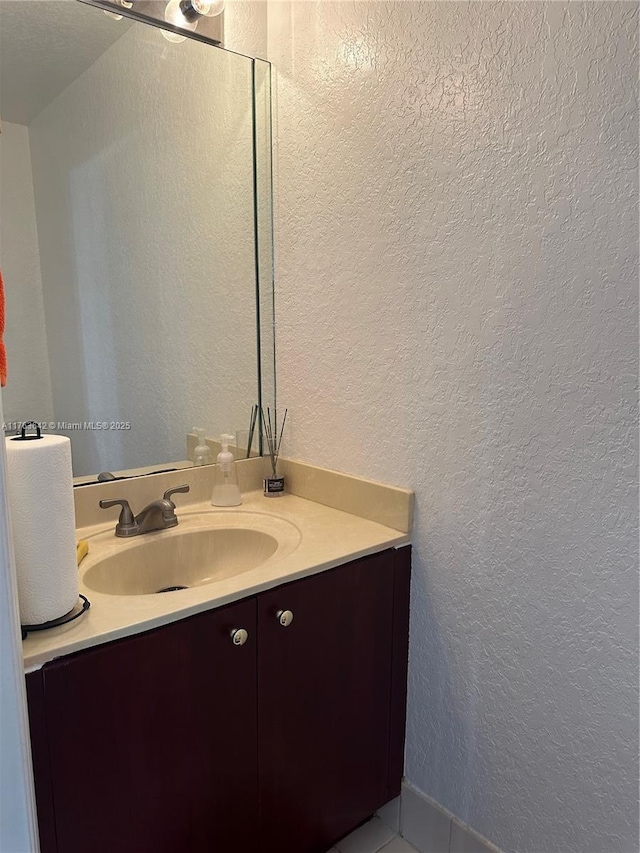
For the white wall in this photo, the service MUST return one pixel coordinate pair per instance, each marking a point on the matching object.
(18, 832)
(27, 394)
(456, 307)
(145, 220)
(245, 27)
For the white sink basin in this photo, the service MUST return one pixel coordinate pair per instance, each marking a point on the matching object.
(203, 549)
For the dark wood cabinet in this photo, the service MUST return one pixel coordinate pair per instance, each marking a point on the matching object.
(151, 741)
(323, 705)
(180, 741)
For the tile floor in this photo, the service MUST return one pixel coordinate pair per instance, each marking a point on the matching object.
(373, 837)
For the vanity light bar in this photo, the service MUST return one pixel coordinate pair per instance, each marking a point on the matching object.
(171, 17)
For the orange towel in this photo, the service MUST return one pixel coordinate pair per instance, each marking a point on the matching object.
(3, 354)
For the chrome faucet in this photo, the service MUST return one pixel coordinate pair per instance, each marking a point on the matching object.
(158, 515)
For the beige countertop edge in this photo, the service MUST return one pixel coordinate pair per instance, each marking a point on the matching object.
(319, 553)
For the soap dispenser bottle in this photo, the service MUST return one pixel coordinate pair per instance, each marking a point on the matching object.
(202, 454)
(226, 491)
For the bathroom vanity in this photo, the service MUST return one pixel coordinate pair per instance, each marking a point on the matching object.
(233, 725)
(261, 696)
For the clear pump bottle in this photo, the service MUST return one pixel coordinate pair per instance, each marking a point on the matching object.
(202, 455)
(226, 491)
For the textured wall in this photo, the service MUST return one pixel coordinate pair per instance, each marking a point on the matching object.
(456, 305)
(145, 222)
(245, 27)
(28, 391)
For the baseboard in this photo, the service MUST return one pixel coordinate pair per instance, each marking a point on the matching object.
(431, 828)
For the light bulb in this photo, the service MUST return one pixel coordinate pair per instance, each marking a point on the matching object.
(173, 14)
(185, 14)
(208, 8)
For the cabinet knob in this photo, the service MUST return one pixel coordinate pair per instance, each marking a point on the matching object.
(285, 617)
(239, 636)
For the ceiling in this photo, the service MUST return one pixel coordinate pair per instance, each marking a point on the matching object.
(44, 46)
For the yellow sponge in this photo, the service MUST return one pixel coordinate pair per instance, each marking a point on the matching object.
(82, 549)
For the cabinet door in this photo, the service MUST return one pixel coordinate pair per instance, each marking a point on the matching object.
(152, 740)
(324, 685)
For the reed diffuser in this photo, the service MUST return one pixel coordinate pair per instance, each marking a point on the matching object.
(273, 485)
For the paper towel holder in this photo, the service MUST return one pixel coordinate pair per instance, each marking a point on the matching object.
(23, 432)
(74, 613)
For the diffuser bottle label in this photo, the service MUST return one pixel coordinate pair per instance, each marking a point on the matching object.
(273, 485)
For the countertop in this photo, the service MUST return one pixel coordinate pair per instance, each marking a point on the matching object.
(325, 538)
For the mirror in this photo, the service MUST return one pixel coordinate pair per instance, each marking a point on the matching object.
(135, 235)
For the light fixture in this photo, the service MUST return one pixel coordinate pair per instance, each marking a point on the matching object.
(125, 5)
(185, 14)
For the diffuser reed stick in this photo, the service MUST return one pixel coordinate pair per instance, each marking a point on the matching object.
(252, 426)
(273, 436)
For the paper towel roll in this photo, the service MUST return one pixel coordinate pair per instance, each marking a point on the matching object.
(40, 493)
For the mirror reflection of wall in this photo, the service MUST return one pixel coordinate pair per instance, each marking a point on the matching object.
(127, 234)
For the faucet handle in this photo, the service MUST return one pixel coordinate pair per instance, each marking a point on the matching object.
(126, 522)
(169, 492)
